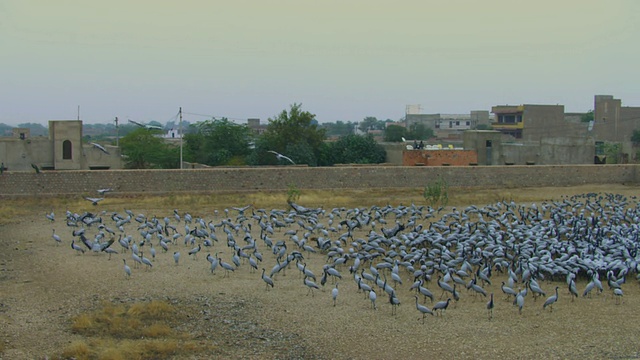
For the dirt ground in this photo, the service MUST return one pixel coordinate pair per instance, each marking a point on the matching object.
(43, 285)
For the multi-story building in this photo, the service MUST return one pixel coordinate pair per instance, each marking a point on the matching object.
(612, 121)
(61, 150)
(442, 124)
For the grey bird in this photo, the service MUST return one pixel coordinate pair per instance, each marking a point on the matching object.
(423, 309)
(550, 301)
(490, 307)
(127, 269)
(99, 147)
(281, 157)
(268, 281)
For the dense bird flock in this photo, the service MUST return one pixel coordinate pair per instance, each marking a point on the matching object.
(382, 251)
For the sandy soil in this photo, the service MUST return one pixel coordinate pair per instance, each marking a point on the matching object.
(43, 285)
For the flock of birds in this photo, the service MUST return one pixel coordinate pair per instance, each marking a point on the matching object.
(381, 251)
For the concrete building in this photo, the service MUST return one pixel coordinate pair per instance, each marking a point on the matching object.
(536, 122)
(444, 124)
(493, 149)
(61, 150)
(612, 121)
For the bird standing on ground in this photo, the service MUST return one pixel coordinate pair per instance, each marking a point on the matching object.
(550, 301)
(618, 294)
(268, 281)
(490, 307)
(127, 269)
(334, 294)
(423, 309)
(281, 157)
(56, 237)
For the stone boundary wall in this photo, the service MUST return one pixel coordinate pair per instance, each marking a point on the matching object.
(279, 178)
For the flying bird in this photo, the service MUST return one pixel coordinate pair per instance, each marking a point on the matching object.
(280, 156)
(104, 191)
(94, 201)
(146, 126)
(99, 147)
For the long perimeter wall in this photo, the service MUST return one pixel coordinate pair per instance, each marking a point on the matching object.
(279, 178)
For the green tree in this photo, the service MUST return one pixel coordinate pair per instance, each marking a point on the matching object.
(357, 149)
(420, 132)
(143, 150)
(370, 123)
(217, 142)
(294, 134)
(339, 128)
(635, 138)
(588, 116)
(394, 133)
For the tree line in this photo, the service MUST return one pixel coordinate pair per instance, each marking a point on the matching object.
(294, 133)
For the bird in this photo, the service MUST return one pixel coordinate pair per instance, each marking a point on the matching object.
(423, 309)
(310, 285)
(268, 281)
(508, 291)
(394, 301)
(195, 251)
(372, 298)
(334, 294)
(36, 168)
(104, 191)
(127, 269)
(99, 147)
(146, 126)
(94, 201)
(280, 156)
(76, 247)
(51, 216)
(56, 237)
(617, 292)
(490, 307)
(226, 266)
(519, 301)
(442, 306)
(550, 301)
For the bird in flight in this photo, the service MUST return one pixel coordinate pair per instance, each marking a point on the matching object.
(280, 156)
(146, 126)
(104, 191)
(100, 147)
(94, 201)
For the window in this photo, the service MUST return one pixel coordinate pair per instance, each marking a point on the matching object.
(66, 150)
(450, 124)
(468, 123)
(457, 123)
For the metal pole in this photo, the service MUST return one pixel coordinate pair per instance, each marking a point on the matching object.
(180, 134)
(117, 134)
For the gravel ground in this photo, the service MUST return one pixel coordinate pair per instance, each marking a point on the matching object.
(43, 285)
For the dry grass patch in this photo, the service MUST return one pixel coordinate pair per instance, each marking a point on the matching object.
(136, 331)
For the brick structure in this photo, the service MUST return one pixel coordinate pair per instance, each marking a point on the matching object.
(448, 157)
(83, 182)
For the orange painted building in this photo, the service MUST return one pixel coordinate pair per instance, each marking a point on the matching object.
(442, 157)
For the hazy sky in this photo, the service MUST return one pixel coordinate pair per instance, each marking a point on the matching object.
(343, 60)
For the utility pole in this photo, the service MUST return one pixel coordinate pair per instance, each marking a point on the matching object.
(180, 134)
(117, 133)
